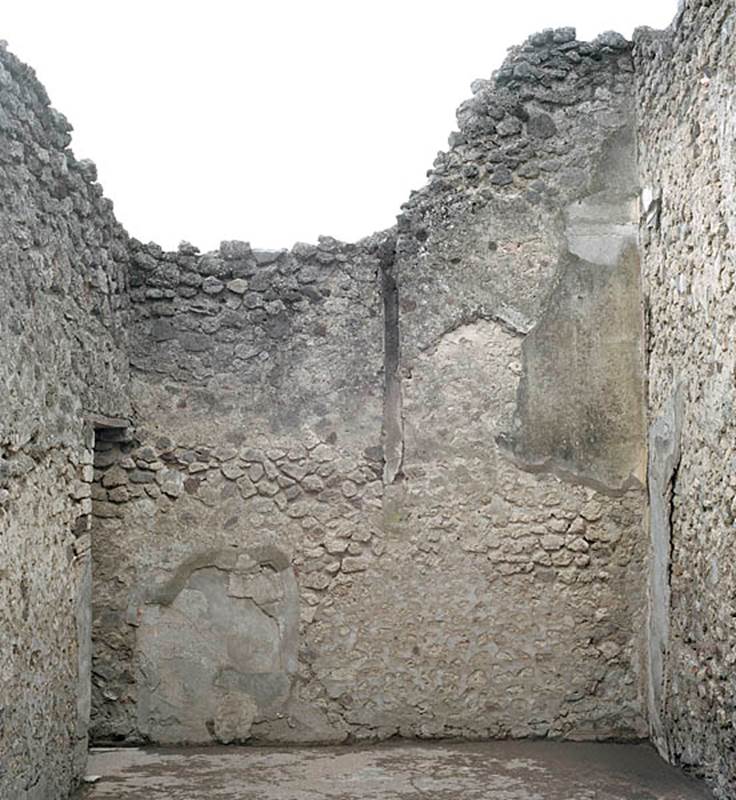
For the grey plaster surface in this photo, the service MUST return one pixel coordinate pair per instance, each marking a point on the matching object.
(509, 770)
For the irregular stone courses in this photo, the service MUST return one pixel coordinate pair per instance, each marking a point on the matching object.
(687, 130)
(63, 356)
(346, 491)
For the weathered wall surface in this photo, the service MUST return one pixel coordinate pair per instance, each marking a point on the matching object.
(520, 492)
(687, 130)
(249, 500)
(62, 357)
(392, 487)
(405, 475)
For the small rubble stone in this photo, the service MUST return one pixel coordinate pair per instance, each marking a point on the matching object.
(141, 476)
(541, 126)
(116, 476)
(502, 176)
(256, 472)
(350, 564)
(119, 494)
(238, 286)
(212, 285)
(171, 482)
(232, 470)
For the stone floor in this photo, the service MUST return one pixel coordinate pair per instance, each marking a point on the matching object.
(408, 771)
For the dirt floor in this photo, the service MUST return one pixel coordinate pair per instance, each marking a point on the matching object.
(408, 771)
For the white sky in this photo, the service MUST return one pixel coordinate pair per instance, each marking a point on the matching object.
(275, 121)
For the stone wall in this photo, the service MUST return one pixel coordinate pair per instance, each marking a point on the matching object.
(519, 496)
(396, 487)
(62, 365)
(250, 497)
(687, 132)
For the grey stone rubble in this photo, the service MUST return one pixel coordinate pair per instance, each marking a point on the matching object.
(687, 163)
(469, 477)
